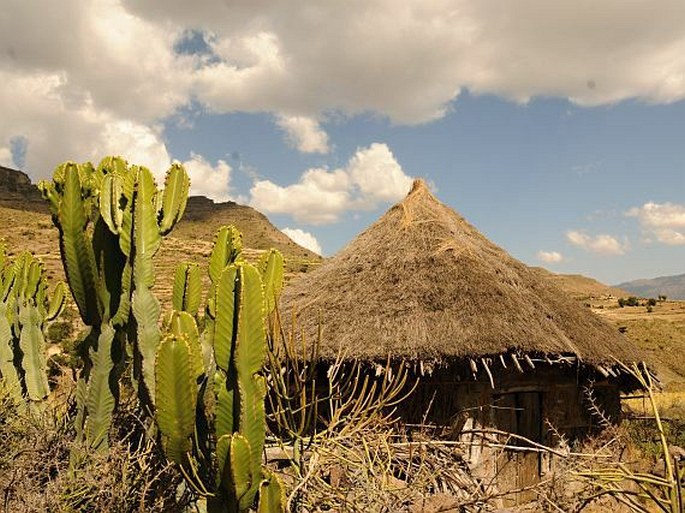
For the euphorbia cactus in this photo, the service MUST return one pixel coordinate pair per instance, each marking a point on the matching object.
(110, 273)
(234, 322)
(25, 310)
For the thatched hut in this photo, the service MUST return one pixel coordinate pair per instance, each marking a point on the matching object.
(496, 345)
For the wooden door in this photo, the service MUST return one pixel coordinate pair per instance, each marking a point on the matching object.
(519, 413)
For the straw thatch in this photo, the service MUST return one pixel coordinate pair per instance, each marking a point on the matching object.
(422, 283)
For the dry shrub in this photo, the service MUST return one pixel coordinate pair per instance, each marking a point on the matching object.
(42, 468)
(379, 470)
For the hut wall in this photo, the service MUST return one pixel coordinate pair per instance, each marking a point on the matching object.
(544, 405)
(451, 395)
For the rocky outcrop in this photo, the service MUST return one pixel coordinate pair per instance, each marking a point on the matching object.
(17, 191)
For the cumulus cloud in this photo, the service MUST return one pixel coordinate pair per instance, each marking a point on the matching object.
(304, 133)
(6, 157)
(304, 239)
(600, 244)
(665, 221)
(550, 257)
(209, 180)
(371, 177)
(117, 62)
(418, 54)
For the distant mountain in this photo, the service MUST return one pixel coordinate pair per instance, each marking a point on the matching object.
(672, 287)
(579, 286)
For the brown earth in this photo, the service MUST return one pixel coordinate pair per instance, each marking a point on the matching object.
(581, 287)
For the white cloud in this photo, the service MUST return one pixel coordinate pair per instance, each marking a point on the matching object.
(114, 63)
(418, 54)
(6, 157)
(665, 221)
(304, 133)
(371, 177)
(600, 244)
(378, 175)
(550, 257)
(318, 198)
(139, 144)
(304, 239)
(208, 180)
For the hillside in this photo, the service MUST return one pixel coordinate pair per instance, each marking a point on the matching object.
(660, 333)
(669, 286)
(581, 287)
(17, 191)
(26, 225)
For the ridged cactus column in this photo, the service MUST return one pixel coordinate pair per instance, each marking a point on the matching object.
(236, 312)
(111, 220)
(25, 310)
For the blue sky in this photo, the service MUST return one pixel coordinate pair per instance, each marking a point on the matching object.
(555, 128)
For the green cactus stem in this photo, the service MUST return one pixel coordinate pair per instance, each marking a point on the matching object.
(187, 291)
(25, 310)
(177, 396)
(234, 327)
(111, 220)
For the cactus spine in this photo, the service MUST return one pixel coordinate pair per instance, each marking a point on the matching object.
(110, 273)
(235, 316)
(25, 310)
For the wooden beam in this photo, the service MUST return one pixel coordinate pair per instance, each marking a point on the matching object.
(528, 360)
(516, 362)
(487, 369)
(501, 359)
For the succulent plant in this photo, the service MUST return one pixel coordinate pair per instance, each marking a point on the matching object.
(111, 221)
(234, 331)
(25, 310)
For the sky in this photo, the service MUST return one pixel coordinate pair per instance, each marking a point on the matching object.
(556, 128)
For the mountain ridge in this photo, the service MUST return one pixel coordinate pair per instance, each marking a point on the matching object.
(201, 220)
(672, 287)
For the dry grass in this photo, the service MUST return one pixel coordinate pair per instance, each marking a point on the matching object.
(659, 333)
(42, 468)
(670, 404)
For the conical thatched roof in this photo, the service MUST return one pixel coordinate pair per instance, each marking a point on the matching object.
(423, 283)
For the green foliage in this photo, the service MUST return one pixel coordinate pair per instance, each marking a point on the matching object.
(111, 220)
(630, 301)
(645, 435)
(223, 460)
(25, 311)
(177, 396)
(187, 292)
(651, 302)
(271, 267)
